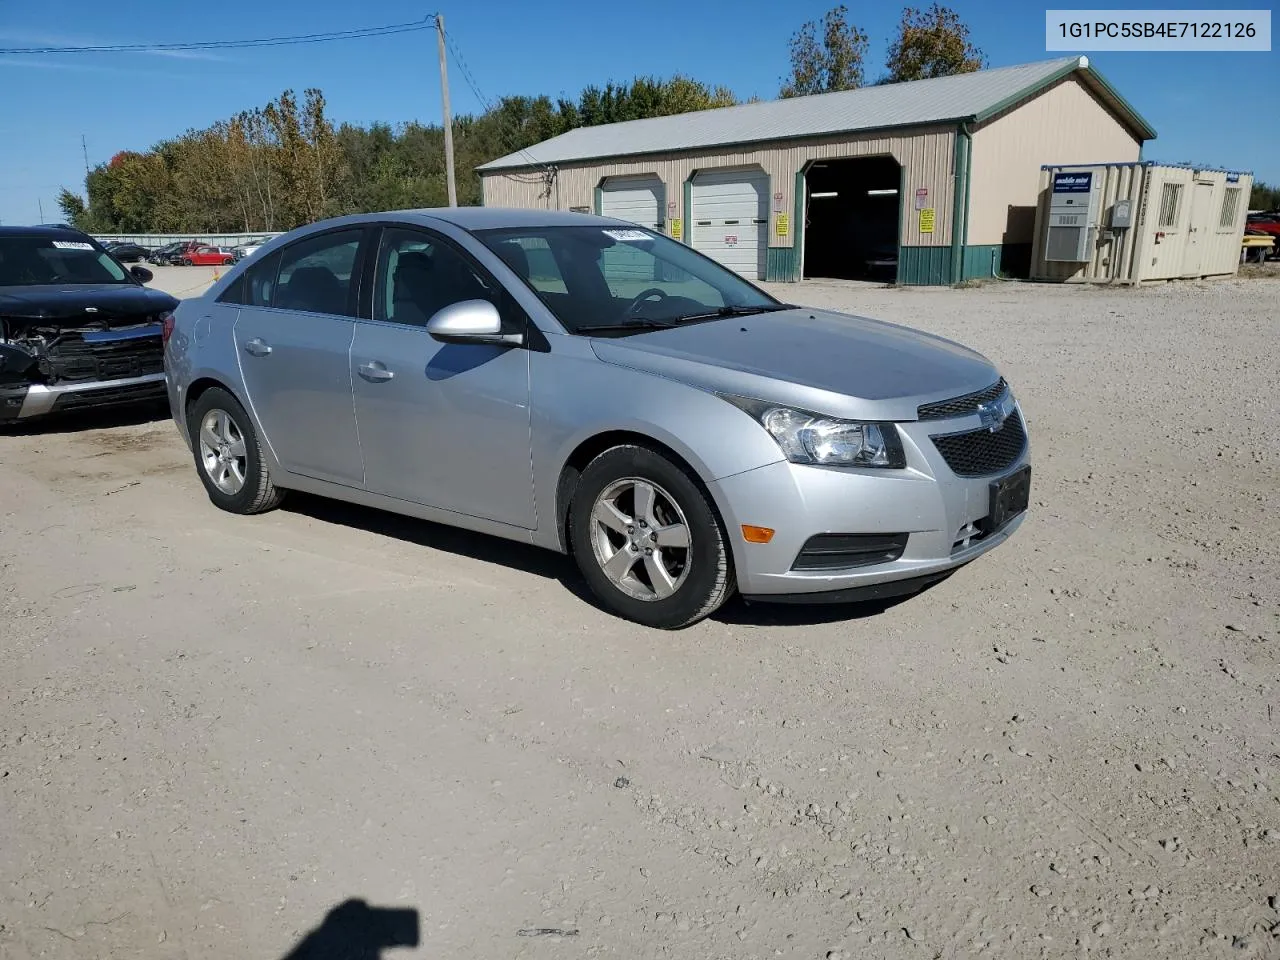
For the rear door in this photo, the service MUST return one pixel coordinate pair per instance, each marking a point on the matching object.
(293, 341)
(444, 424)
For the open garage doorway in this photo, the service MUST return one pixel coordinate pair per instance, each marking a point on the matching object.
(852, 211)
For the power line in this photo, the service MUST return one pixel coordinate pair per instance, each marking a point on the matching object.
(385, 30)
(488, 105)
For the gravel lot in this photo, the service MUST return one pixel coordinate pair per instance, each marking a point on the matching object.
(216, 729)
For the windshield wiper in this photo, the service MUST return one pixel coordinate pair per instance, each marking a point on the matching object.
(734, 311)
(640, 323)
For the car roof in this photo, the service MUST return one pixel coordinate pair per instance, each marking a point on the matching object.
(52, 231)
(477, 218)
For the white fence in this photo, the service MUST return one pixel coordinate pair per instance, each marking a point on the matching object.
(160, 239)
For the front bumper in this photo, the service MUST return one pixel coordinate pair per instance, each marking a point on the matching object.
(34, 400)
(941, 512)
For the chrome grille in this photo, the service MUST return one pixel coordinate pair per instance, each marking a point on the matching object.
(960, 406)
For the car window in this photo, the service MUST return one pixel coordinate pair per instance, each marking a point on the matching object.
(255, 285)
(593, 275)
(317, 274)
(534, 262)
(418, 275)
(50, 260)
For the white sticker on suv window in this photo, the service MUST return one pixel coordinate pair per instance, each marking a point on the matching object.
(625, 235)
(72, 245)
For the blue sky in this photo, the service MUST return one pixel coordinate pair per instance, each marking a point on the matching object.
(1206, 107)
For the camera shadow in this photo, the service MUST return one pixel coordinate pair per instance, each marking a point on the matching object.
(353, 930)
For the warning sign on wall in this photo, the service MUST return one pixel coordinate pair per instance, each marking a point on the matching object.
(926, 220)
(677, 228)
(782, 225)
(731, 239)
(922, 198)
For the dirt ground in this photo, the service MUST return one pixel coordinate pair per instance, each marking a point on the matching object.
(214, 730)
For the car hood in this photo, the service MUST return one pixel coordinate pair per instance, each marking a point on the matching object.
(110, 303)
(829, 362)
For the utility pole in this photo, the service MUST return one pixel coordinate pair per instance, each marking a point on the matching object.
(85, 147)
(448, 121)
(40, 206)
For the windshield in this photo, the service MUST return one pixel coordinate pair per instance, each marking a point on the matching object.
(598, 276)
(41, 261)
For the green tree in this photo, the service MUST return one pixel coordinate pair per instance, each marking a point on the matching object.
(933, 42)
(1262, 197)
(74, 210)
(284, 164)
(826, 56)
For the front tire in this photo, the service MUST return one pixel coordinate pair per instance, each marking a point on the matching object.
(229, 456)
(647, 539)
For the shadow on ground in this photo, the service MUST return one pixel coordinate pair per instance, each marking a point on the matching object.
(556, 566)
(102, 418)
(353, 930)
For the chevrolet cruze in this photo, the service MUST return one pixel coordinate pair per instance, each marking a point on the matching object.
(592, 387)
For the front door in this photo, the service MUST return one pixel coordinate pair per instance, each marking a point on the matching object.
(1201, 203)
(443, 424)
(293, 341)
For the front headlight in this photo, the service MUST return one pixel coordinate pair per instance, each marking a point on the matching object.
(806, 437)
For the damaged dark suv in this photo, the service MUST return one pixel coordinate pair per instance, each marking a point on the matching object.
(77, 329)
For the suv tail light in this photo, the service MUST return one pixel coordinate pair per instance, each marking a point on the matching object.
(166, 332)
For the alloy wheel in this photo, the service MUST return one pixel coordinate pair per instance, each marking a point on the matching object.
(641, 539)
(222, 451)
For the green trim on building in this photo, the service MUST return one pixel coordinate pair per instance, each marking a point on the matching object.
(780, 264)
(924, 266)
(686, 234)
(797, 228)
(960, 187)
(978, 260)
(597, 201)
(1136, 120)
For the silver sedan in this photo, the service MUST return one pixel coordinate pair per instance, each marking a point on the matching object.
(592, 387)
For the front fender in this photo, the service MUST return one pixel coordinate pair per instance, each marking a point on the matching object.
(575, 398)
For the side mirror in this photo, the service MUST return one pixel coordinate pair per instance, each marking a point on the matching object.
(141, 274)
(470, 321)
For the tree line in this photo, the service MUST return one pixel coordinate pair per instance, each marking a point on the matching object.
(286, 164)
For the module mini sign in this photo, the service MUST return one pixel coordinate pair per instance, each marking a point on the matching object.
(1072, 182)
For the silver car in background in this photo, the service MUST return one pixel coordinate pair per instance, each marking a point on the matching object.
(592, 387)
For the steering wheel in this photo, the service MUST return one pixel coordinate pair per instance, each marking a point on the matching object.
(643, 297)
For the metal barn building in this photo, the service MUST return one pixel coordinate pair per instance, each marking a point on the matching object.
(927, 182)
(1134, 222)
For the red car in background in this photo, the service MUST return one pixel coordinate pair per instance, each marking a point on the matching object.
(206, 256)
(1268, 223)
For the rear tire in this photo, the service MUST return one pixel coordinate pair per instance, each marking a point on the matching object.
(228, 261)
(228, 455)
(647, 539)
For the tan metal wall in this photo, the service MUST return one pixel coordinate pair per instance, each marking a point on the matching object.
(924, 152)
(1150, 250)
(1064, 125)
(1112, 257)
(1165, 253)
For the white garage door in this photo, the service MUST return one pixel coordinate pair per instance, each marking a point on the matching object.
(731, 218)
(639, 200)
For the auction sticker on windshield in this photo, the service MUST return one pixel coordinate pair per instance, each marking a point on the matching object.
(623, 236)
(72, 245)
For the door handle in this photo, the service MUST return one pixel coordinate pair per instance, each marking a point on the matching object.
(375, 372)
(257, 347)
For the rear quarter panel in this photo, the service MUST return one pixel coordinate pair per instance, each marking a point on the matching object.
(202, 348)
